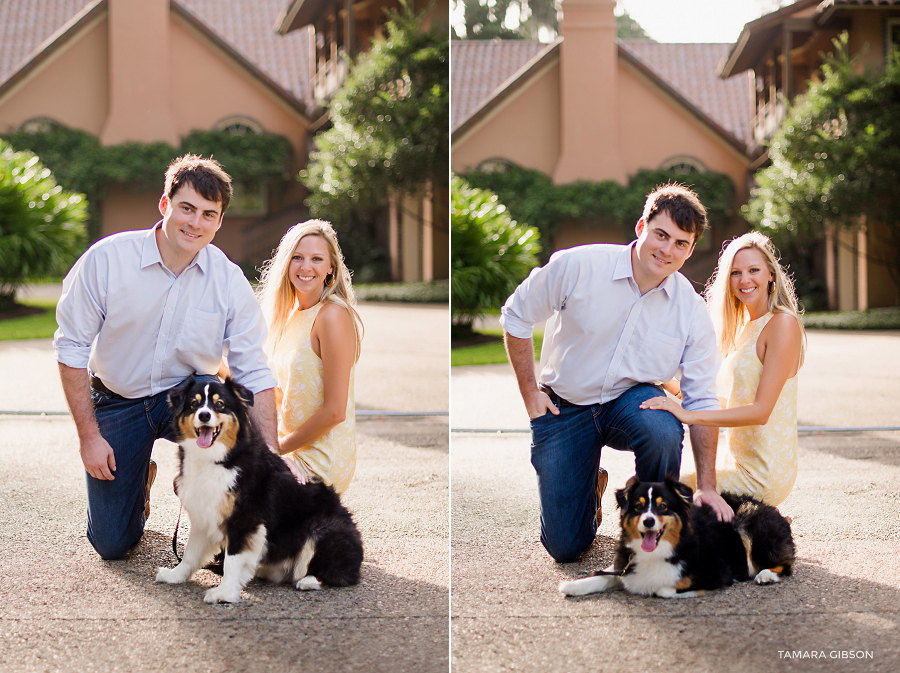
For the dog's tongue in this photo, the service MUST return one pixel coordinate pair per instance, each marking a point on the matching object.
(649, 541)
(205, 437)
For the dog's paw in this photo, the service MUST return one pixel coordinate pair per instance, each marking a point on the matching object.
(767, 577)
(222, 595)
(309, 583)
(586, 585)
(171, 575)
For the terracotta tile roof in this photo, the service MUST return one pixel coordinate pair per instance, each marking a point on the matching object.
(479, 67)
(248, 26)
(690, 69)
(25, 24)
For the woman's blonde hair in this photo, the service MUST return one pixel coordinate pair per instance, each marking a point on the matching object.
(728, 312)
(275, 291)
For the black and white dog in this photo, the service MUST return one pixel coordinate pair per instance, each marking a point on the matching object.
(670, 547)
(243, 499)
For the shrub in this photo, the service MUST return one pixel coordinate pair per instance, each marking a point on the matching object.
(490, 253)
(42, 228)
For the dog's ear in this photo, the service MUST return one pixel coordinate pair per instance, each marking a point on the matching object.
(623, 494)
(242, 393)
(683, 490)
(176, 396)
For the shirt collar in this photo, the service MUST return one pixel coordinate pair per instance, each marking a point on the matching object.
(150, 252)
(624, 270)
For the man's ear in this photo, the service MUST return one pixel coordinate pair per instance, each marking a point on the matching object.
(639, 227)
(163, 204)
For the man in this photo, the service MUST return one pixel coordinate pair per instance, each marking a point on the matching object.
(140, 311)
(620, 321)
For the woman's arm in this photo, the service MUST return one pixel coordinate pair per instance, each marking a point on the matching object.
(333, 339)
(778, 348)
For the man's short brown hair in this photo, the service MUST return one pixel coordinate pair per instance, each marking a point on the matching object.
(679, 203)
(206, 176)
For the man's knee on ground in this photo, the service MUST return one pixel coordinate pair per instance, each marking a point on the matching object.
(565, 551)
(112, 550)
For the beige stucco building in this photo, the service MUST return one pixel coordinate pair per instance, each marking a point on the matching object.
(154, 70)
(591, 107)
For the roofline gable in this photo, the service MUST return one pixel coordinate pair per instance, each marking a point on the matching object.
(49, 47)
(84, 18)
(507, 88)
(521, 77)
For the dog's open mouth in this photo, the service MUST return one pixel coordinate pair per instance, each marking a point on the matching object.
(206, 435)
(651, 539)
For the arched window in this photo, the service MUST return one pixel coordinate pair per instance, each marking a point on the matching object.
(683, 165)
(39, 125)
(247, 200)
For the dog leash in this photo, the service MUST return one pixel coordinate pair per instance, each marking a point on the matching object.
(175, 534)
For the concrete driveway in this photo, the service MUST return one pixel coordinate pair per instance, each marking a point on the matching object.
(64, 609)
(506, 613)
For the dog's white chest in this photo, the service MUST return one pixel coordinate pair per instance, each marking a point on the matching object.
(652, 572)
(206, 487)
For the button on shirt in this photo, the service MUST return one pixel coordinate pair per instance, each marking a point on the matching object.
(142, 330)
(602, 337)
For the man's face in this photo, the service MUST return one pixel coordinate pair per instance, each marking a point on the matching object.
(189, 222)
(662, 248)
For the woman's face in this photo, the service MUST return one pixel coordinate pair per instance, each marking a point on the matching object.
(749, 278)
(309, 265)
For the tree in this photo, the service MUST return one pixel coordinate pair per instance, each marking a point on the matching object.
(834, 159)
(41, 226)
(529, 20)
(389, 131)
(490, 253)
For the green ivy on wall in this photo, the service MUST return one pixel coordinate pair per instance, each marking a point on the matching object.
(533, 199)
(80, 163)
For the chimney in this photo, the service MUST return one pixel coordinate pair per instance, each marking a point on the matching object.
(140, 80)
(589, 94)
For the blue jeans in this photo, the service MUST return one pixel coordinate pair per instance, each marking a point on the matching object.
(115, 509)
(565, 453)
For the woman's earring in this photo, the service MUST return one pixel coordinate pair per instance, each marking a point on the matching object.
(329, 279)
(771, 287)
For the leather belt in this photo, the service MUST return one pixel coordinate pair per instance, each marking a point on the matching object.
(558, 400)
(99, 386)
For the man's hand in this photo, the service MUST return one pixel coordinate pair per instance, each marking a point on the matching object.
(98, 458)
(538, 404)
(709, 497)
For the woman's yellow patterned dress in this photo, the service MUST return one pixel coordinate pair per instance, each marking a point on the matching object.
(760, 460)
(299, 373)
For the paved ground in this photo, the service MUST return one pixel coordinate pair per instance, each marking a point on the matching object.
(63, 609)
(506, 613)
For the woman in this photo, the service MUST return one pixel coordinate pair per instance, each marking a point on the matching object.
(313, 345)
(754, 309)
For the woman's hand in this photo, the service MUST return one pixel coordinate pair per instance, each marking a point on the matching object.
(299, 473)
(667, 404)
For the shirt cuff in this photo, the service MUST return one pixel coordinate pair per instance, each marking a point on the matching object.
(515, 326)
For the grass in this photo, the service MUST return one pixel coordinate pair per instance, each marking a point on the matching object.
(491, 353)
(434, 292)
(37, 326)
(875, 318)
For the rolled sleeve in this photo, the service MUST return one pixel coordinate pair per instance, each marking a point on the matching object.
(535, 300)
(80, 313)
(699, 364)
(245, 335)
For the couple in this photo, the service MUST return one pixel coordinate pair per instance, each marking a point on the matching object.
(621, 323)
(140, 311)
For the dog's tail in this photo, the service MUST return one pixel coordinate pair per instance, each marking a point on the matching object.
(338, 558)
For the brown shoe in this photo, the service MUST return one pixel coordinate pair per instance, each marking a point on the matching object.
(602, 480)
(151, 476)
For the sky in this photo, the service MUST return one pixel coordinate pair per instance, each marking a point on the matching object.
(695, 20)
(686, 20)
